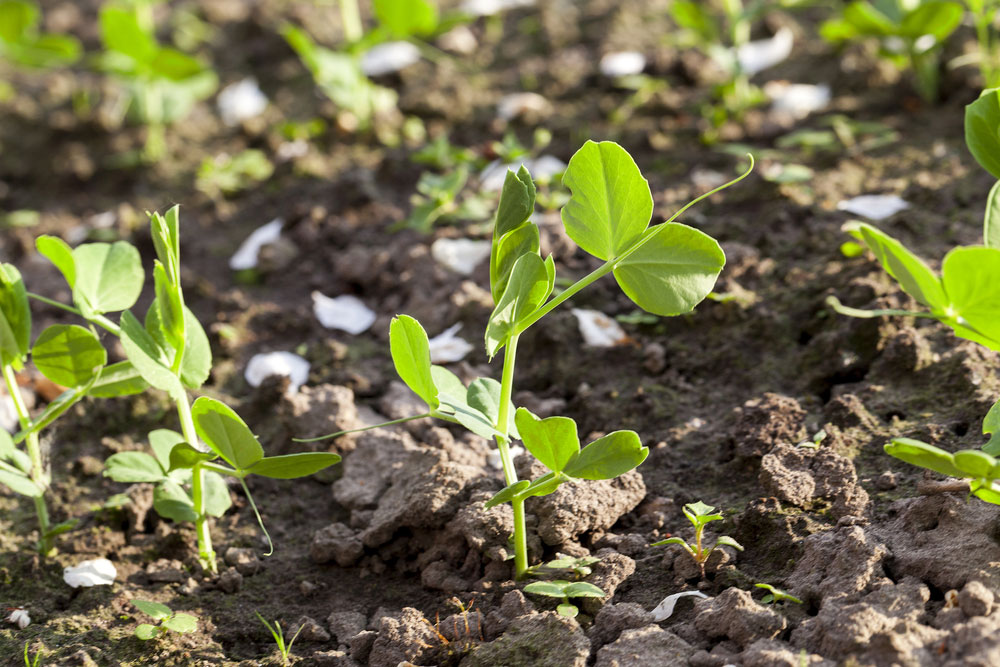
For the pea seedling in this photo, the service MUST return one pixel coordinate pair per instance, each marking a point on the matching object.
(167, 620)
(666, 269)
(978, 466)
(564, 590)
(226, 175)
(279, 638)
(21, 43)
(776, 595)
(700, 514)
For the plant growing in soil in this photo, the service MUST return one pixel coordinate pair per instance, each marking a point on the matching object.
(910, 34)
(666, 269)
(22, 44)
(776, 595)
(978, 466)
(167, 620)
(279, 638)
(700, 515)
(564, 590)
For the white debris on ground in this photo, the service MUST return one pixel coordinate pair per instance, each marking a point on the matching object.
(287, 364)
(491, 7)
(97, 572)
(797, 99)
(874, 207)
(622, 63)
(19, 617)
(517, 104)
(665, 609)
(246, 255)
(459, 40)
(541, 168)
(388, 58)
(597, 329)
(448, 348)
(460, 255)
(241, 101)
(757, 56)
(347, 313)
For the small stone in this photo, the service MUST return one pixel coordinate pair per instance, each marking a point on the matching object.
(333, 659)
(735, 614)
(309, 630)
(886, 481)
(337, 543)
(307, 587)
(361, 645)
(230, 581)
(244, 560)
(463, 628)
(975, 599)
(345, 625)
(163, 571)
(189, 587)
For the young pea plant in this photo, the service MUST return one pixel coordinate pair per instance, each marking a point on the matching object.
(22, 44)
(910, 34)
(700, 514)
(167, 620)
(161, 83)
(775, 595)
(171, 352)
(279, 638)
(225, 175)
(564, 590)
(666, 269)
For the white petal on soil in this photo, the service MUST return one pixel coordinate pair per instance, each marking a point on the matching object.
(460, 255)
(513, 105)
(347, 313)
(543, 167)
(622, 63)
(493, 458)
(97, 572)
(447, 348)
(389, 57)
(597, 329)
(665, 609)
(758, 55)
(491, 7)
(874, 207)
(20, 618)
(246, 256)
(459, 40)
(287, 364)
(241, 101)
(797, 99)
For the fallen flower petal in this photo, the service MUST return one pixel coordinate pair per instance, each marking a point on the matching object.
(622, 63)
(665, 609)
(97, 572)
(760, 54)
(246, 255)
(491, 7)
(597, 329)
(388, 58)
(874, 207)
(516, 104)
(446, 347)
(347, 313)
(241, 101)
(20, 618)
(287, 364)
(460, 255)
(797, 99)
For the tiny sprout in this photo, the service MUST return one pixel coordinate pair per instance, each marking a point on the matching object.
(279, 638)
(700, 514)
(813, 442)
(168, 620)
(776, 595)
(565, 590)
(37, 660)
(580, 567)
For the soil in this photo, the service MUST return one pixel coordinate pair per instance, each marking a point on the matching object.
(389, 558)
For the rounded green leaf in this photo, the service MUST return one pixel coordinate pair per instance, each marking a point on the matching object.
(181, 622)
(133, 467)
(405, 18)
(611, 204)
(552, 589)
(971, 280)
(171, 502)
(68, 354)
(225, 433)
(155, 609)
(568, 610)
(982, 130)
(145, 631)
(673, 271)
(913, 275)
(608, 457)
(109, 276)
(291, 466)
(582, 589)
(217, 498)
(447, 383)
(411, 356)
(148, 358)
(924, 455)
(60, 254)
(553, 441)
(974, 463)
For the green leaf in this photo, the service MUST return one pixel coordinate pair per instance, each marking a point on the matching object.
(291, 466)
(181, 622)
(506, 494)
(913, 275)
(991, 220)
(924, 455)
(162, 441)
(971, 280)
(171, 502)
(611, 204)
(699, 513)
(470, 418)
(68, 354)
(583, 589)
(568, 610)
(544, 485)
(133, 467)
(608, 457)
(404, 18)
(692, 16)
(868, 20)
(165, 230)
(174, 65)
(183, 455)
(120, 31)
(20, 484)
(938, 19)
(168, 308)
(974, 463)
(217, 498)
(531, 282)
(673, 271)
(982, 130)
(15, 317)
(196, 365)
(552, 589)
(447, 383)
(145, 631)
(148, 358)
(60, 254)
(411, 356)
(8, 452)
(985, 490)
(726, 541)
(225, 433)
(155, 609)
(17, 19)
(506, 251)
(991, 427)
(484, 396)
(673, 540)
(121, 379)
(109, 276)
(553, 441)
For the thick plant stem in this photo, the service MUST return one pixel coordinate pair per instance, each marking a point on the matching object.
(38, 474)
(503, 445)
(205, 551)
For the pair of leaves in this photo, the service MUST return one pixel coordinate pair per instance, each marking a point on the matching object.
(564, 590)
(21, 42)
(973, 464)
(168, 619)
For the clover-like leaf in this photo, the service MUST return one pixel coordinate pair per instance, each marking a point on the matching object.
(924, 455)
(913, 275)
(155, 609)
(608, 457)
(225, 433)
(291, 466)
(611, 203)
(553, 441)
(982, 130)
(68, 354)
(109, 277)
(411, 356)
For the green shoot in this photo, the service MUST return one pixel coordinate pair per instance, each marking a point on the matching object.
(168, 621)
(564, 590)
(700, 515)
(279, 638)
(22, 44)
(579, 566)
(776, 595)
(37, 660)
(226, 175)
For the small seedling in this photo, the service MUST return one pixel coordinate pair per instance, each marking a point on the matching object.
(22, 44)
(226, 175)
(813, 442)
(175, 621)
(578, 566)
(438, 199)
(37, 660)
(565, 590)
(279, 638)
(700, 514)
(776, 595)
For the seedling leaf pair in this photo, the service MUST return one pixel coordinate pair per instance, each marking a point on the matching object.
(565, 590)
(982, 469)
(700, 515)
(168, 620)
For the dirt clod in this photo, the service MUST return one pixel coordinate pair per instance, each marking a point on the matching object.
(336, 543)
(538, 640)
(648, 646)
(766, 421)
(736, 615)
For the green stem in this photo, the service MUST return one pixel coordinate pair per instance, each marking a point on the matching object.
(503, 445)
(99, 320)
(38, 474)
(350, 15)
(364, 428)
(205, 551)
(840, 308)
